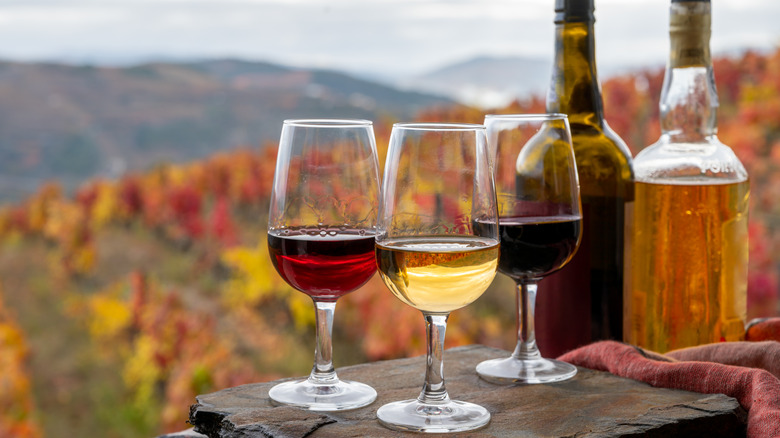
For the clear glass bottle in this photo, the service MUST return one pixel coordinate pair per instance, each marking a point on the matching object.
(583, 302)
(686, 281)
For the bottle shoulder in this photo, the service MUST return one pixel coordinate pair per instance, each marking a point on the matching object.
(707, 161)
(601, 144)
(603, 162)
(619, 143)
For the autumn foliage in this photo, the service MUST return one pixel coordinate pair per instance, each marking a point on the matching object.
(16, 404)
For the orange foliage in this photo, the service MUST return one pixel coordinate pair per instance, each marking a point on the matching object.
(169, 351)
(16, 406)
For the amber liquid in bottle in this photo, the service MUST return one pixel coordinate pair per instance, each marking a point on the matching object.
(688, 265)
(583, 302)
(686, 280)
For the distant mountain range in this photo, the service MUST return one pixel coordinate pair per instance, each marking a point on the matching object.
(486, 82)
(71, 123)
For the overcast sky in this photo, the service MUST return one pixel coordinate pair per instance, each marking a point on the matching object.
(391, 37)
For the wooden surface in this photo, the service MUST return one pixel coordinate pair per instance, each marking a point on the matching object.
(592, 404)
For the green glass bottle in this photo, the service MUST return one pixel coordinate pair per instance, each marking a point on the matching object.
(583, 302)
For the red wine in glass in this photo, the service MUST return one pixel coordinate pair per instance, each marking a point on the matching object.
(538, 192)
(321, 227)
(325, 263)
(533, 247)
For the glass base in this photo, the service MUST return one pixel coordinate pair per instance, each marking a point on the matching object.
(513, 370)
(340, 396)
(413, 416)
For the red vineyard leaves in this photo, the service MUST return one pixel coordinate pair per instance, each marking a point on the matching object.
(184, 204)
(222, 225)
(131, 201)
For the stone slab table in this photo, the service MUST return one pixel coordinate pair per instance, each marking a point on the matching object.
(592, 404)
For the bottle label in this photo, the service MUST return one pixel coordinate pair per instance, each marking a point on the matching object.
(689, 33)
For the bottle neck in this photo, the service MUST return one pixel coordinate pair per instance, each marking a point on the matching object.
(689, 99)
(574, 89)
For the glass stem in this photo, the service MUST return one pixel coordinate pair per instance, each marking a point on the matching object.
(526, 337)
(323, 372)
(434, 391)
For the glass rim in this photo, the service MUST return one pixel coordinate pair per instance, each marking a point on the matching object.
(439, 126)
(329, 123)
(527, 116)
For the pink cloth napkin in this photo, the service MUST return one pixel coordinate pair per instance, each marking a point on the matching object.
(747, 371)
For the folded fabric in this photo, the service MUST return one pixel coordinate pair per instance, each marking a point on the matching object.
(757, 390)
(764, 355)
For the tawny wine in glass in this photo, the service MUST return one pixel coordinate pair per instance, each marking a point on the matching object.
(437, 251)
(321, 229)
(539, 227)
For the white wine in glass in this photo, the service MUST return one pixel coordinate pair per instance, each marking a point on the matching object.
(437, 251)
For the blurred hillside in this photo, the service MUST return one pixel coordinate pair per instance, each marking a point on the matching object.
(70, 123)
(486, 82)
(121, 302)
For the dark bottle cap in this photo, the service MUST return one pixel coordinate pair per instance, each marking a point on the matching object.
(573, 11)
(687, 1)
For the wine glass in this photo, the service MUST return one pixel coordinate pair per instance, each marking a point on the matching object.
(321, 228)
(437, 251)
(539, 225)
